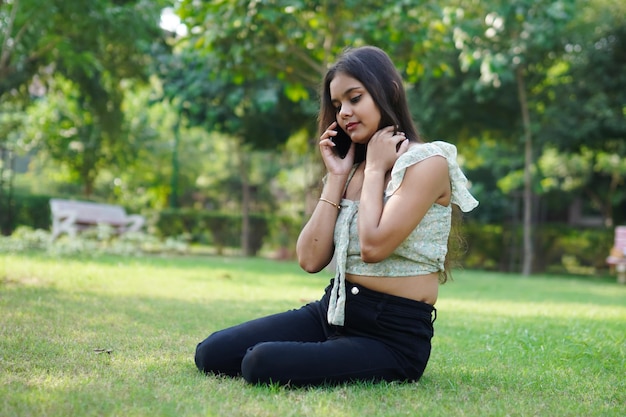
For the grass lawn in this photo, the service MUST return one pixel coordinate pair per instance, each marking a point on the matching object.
(115, 337)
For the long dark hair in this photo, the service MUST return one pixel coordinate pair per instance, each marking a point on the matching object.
(375, 70)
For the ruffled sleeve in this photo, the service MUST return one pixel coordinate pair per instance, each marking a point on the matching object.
(460, 194)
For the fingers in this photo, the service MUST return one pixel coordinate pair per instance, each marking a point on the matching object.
(402, 147)
(327, 137)
(398, 139)
(390, 135)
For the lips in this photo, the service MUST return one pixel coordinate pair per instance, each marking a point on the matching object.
(350, 126)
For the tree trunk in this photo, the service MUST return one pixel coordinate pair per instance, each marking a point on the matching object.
(245, 200)
(89, 165)
(3, 211)
(527, 262)
(6, 212)
(173, 200)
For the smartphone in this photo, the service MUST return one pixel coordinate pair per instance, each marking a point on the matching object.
(342, 142)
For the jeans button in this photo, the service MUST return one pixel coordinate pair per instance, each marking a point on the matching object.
(354, 290)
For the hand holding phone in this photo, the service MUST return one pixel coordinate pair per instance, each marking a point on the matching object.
(342, 142)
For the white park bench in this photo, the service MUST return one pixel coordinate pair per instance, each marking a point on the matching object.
(617, 258)
(70, 216)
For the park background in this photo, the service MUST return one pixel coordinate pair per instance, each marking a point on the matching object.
(201, 116)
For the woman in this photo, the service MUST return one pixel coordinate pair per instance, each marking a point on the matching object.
(385, 214)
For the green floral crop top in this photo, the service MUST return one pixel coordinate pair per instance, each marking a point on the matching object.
(422, 252)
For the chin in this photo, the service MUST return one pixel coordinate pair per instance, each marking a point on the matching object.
(360, 140)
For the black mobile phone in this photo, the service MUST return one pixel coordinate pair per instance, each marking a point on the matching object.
(342, 142)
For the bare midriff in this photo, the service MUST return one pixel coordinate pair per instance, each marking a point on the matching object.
(423, 288)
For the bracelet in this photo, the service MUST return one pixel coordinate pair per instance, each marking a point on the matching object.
(335, 205)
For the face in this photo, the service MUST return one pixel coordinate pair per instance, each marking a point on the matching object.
(356, 112)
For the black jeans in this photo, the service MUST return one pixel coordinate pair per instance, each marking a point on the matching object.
(384, 338)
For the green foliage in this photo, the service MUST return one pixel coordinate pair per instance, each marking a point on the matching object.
(500, 36)
(598, 174)
(255, 51)
(253, 40)
(97, 241)
(13, 120)
(36, 34)
(28, 210)
(80, 121)
(295, 41)
(62, 125)
(565, 172)
(206, 94)
(587, 109)
(559, 247)
(282, 235)
(219, 229)
(22, 45)
(487, 246)
(250, 70)
(587, 246)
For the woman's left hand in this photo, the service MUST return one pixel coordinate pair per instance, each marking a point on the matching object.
(384, 148)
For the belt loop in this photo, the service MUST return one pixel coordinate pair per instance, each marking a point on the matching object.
(433, 316)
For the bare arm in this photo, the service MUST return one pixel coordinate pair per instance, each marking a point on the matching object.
(382, 228)
(315, 245)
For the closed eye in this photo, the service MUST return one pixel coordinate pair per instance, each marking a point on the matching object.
(353, 100)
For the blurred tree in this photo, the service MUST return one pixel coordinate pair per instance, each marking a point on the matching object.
(586, 118)
(24, 46)
(247, 74)
(255, 113)
(514, 44)
(266, 59)
(96, 45)
(294, 42)
(11, 120)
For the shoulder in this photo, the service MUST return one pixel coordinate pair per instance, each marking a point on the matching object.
(422, 160)
(426, 149)
(423, 152)
(431, 170)
(417, 153)
(420, 152)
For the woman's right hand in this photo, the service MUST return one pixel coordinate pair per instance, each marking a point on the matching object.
(334, 163)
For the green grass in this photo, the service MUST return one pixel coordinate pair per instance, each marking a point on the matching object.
(504, 345)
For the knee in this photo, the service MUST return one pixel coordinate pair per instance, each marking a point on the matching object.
(209, 354)
(202, 353)
(257, 365)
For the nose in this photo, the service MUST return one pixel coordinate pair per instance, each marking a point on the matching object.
(345, 111)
